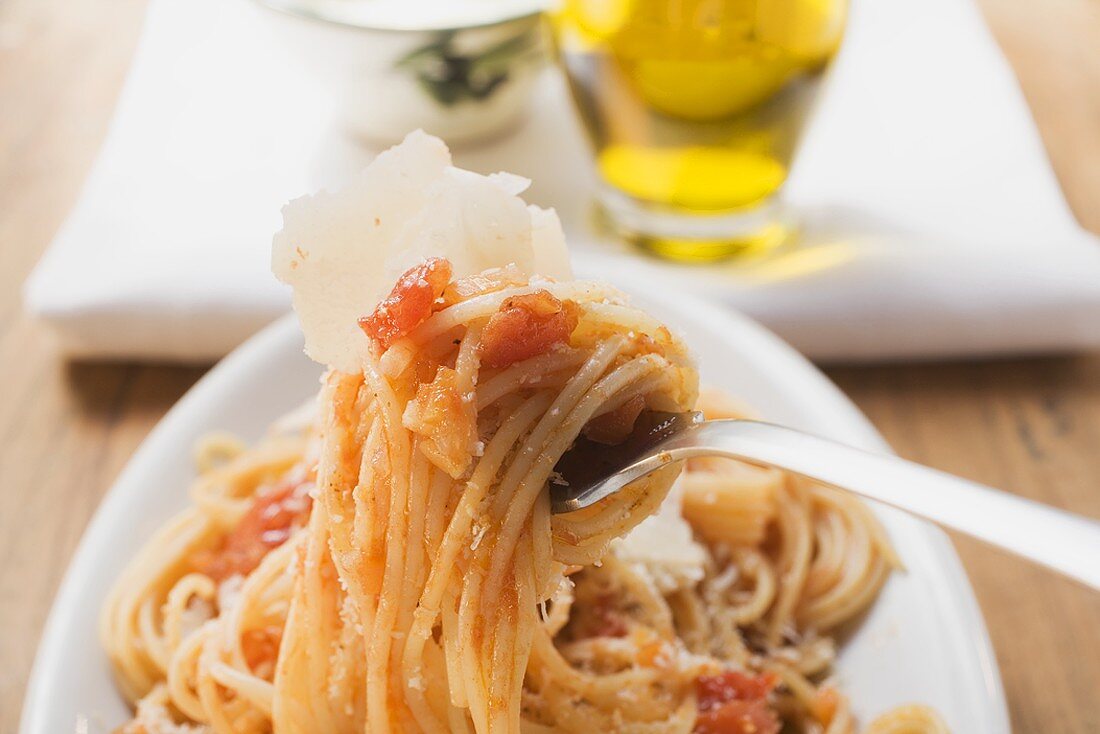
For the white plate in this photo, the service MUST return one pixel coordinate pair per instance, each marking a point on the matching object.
(924, 640)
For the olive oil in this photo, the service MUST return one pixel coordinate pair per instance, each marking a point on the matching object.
(694, 108)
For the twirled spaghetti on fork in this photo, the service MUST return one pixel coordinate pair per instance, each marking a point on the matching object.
(390, 564)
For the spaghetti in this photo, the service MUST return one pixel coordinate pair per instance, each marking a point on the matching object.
(431, 590)
(391, 564)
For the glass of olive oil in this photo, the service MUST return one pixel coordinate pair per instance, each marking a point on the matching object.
(694, 108)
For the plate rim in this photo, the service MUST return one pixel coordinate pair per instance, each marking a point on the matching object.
(958, 593)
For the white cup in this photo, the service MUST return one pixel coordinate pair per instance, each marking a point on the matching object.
(396, 66)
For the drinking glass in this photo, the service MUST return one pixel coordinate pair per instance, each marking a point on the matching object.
(694, 108)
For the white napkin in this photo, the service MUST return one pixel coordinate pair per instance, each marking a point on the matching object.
(933, 224)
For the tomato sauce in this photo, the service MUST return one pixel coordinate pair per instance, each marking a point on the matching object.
(735, 703)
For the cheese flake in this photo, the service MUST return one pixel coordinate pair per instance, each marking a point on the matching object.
(342, 251)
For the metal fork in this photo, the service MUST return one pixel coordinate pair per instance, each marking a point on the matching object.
(1059, 540)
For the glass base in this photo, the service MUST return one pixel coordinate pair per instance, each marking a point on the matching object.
(697, 237)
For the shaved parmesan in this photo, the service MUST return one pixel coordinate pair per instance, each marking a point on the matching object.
(342, 251)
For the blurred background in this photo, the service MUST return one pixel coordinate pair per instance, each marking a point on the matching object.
(909, 193)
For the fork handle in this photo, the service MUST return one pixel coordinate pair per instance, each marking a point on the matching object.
(1061, 541)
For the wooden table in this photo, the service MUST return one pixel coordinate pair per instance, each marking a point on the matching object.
(1031, 426)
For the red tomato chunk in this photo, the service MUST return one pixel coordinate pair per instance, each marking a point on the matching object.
(735, 703)
(527, 326)
(410, 302)
(273, 517)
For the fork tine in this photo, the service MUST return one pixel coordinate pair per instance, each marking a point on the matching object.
(587, 463)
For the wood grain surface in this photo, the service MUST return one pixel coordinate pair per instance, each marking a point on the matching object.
(1029, 426)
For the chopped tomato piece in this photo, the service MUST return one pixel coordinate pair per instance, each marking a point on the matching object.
(273, 517)
(735, 703)
(614, 426)
(410, 302)
(527, 326)
(738, 717)
(730, 684)
(445, 421)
